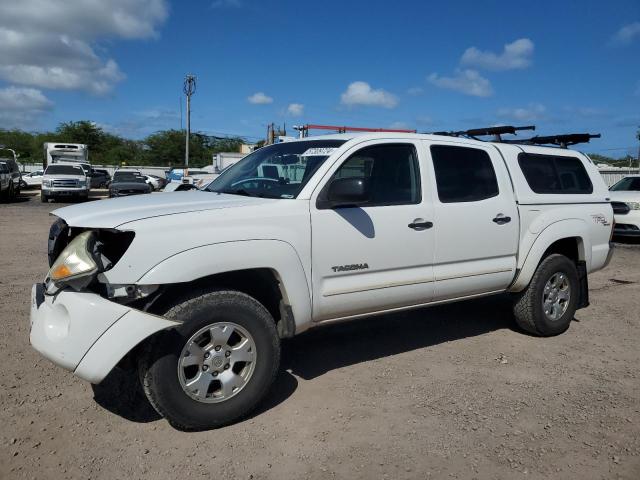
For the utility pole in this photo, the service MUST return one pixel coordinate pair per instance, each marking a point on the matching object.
(189, 89)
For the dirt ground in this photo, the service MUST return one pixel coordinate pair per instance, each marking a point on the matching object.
(448, 392)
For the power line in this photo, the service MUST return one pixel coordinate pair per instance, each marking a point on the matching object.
(228, 134)
(612, 149)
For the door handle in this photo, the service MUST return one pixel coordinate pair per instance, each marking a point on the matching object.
(501, 219)
(419, 224)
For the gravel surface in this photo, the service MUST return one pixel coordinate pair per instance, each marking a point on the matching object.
(448, 392)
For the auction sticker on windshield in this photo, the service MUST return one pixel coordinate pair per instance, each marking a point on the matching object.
(319, 151)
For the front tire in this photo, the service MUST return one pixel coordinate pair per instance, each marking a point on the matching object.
(217, 365)
(44, 198)
(549, 303)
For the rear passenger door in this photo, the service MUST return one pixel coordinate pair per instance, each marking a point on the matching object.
(476, 223)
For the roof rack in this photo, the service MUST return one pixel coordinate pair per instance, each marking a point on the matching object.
(496, 132)
(563, 141)
(304, 129)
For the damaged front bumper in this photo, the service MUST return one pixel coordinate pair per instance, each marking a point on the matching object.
(85, 333)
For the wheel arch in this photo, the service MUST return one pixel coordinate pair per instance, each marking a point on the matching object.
(268, 270)
(567, 237)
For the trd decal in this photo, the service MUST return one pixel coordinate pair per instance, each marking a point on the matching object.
(601, 219)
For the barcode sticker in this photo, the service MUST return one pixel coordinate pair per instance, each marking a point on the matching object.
(319, 151)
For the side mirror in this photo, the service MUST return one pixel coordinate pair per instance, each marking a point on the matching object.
(346, 192)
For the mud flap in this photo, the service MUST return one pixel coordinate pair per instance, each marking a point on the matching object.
(583, 300)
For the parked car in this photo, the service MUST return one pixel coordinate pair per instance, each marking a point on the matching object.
(64, 181)
(99, 178)
(176, 174)
(625, 199)
(155, 182)
(195, 291)
(14, 172)
(32, 180)
(7, 193)
(191, 182)
(127, 182)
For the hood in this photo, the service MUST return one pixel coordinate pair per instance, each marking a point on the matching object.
(115, 212)
(624, 196)
(65, 175)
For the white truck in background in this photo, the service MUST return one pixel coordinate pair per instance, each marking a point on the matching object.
(66, 154)
(195, 291)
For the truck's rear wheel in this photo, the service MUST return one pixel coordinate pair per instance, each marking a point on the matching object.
(217, 365)
(549, 303)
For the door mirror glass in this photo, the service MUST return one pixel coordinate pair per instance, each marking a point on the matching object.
(348, 192)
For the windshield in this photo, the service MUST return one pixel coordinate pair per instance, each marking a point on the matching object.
(64, 170)
(129, 177)
(276, 171)
(629, 184)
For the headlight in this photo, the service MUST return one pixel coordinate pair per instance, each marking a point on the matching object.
(634, 205)
(82, 183)
(76, 261)
(46, 183)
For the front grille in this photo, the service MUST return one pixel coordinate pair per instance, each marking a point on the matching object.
(65, 183)
(626, 227)
(620, 208)
(129, 192)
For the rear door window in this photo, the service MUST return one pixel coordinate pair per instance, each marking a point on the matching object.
(549, 174)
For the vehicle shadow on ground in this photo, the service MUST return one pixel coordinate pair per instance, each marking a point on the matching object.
(121, 394)
(319, 351)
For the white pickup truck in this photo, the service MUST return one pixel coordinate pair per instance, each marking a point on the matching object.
(196, 290)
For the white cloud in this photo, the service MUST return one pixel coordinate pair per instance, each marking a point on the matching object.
(52, 44)
(626, 34)
(534, 111)
(414, 91)
(361, 93)
(295, 109)
(22, 107)
(259, 98)
(516, 55)
(469, 82)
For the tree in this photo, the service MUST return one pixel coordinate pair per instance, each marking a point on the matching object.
(19, 141)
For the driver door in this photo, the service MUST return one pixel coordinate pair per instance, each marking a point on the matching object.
(372, 257)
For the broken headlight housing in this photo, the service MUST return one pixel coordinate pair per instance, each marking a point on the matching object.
(78, 264)
(77, 255)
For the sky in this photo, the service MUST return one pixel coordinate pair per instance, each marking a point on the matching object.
(565, 66)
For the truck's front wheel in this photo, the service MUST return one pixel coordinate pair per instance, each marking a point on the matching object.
(549, 303)
(217, 365)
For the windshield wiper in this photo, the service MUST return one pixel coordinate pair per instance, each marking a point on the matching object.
(239, 191)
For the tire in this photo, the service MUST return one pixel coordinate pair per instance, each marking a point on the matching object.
(44, 198)
(163, 376)
(11, 192)
(529, 308)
